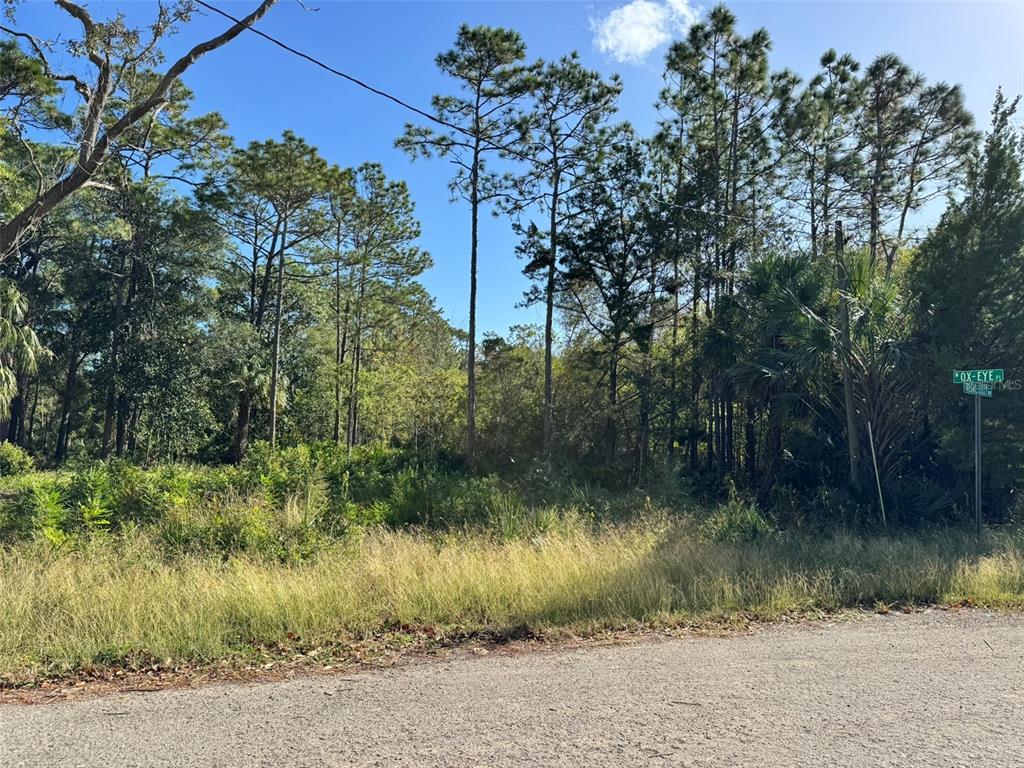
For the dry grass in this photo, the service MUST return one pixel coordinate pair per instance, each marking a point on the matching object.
(113, 599)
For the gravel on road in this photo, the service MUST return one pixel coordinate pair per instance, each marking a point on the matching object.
(936, 688)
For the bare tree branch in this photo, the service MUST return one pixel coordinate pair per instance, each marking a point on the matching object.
(94, 148)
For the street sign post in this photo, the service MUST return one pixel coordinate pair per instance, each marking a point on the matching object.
(977, 464)
(978, 383)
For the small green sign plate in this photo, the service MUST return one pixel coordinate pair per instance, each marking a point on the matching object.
(984, 375)
(978, 388)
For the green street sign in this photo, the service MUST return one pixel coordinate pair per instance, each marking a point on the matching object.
(985, 375)
(978, 388)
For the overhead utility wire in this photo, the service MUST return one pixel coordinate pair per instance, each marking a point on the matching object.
(422, 113)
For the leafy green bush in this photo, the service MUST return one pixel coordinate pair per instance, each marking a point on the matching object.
(38, 509)
(283, 474)
(736, 521)
(233, 524)
(136, 495)
(106, 496)
(466, 501)
(90, 498)
(364, 475)
(14, 460)
(918, 501)
(823, 509)
(333, 491)
(508, 515)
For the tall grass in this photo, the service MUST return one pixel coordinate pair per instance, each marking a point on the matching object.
(112, 599)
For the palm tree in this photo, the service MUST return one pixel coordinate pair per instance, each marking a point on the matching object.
(792, 356)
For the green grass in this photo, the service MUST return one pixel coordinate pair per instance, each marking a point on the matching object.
(110, 599)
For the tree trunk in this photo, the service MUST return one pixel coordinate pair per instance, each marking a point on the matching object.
(241, 442)
(643, 438)
(773, 449)
(610, 435)
(673, 410)
(852, 434)
(471, 351)
(121, 433)
(718, 411)
(728, 420)
(874, 192)
(549, 314)
(337, 349)
(19, 405)
(131, 439)
(32, 416)
(67, 401)
(673, 414)
(353, 394)
(357, 357)
(813, 210)
(128, 336)
(695, 370)
(275, 353)
(340, 335)
(647, 376)
(110, 408)
(750, 445)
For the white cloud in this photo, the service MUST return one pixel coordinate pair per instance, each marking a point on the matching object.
(684, 15)
(630, 32)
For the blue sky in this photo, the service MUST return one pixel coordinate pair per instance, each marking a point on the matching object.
(261, 90)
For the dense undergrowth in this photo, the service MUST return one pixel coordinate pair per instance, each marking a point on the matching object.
(113, 564)
(288, 504)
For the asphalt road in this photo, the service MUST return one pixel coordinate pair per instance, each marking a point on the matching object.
(931, 689)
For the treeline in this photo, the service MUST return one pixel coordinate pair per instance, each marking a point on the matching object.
(745, 298)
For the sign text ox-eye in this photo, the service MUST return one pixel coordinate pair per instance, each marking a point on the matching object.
(989, 374)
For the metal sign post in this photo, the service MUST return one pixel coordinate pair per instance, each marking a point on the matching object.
(977, 464)
(978, 383)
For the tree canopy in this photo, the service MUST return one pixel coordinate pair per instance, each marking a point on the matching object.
(755, 298)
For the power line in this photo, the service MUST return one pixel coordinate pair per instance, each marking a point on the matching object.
(422, 113)
(338, 72)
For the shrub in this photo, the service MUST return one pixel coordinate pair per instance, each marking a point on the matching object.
(736, 521)
(508, 515)
(283, 473)
(136, 495)
(14, 460)
(230, 523)
(470, 500)
(365, 475)
(39, 508)
(918, 501)
(90, 498)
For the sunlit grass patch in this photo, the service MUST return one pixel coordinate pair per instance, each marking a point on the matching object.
(112, 599)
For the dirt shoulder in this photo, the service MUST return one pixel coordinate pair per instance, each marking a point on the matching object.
(403, 646)
(934, 688)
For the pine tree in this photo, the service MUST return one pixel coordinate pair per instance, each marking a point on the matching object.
(914, 140)
(382, 230)
(570, 104)
(968, 277)
(607, 275)
(265, 206)
(480, 122)
(816, 129)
